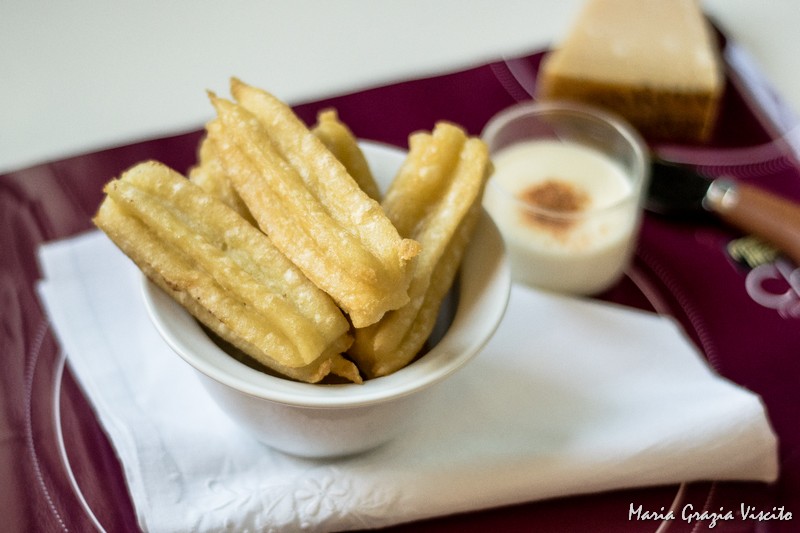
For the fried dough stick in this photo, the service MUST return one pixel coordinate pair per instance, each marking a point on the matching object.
(210, 175)
(435, 199)
(225, 272)
(209, 172)
(343, 144)
(311, 208)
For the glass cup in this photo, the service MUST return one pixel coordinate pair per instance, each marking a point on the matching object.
(566, 193)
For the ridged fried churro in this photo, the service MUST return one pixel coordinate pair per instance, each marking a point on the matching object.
(225, 272)
(210, 175)
(436, 200)
(310, 207)
(344, 146)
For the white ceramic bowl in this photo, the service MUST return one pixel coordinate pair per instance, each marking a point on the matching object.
(331, 420)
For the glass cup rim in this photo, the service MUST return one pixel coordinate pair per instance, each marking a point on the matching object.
(640, 169)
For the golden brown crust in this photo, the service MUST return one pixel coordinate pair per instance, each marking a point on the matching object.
(344, 146)
(210, 175)
(436, 200)
(223, 271)
(310, 207)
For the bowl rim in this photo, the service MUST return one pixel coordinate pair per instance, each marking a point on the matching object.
(484, 283)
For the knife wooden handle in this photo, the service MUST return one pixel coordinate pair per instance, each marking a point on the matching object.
(753, 210)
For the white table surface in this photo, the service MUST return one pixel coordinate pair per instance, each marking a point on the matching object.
(81, 75)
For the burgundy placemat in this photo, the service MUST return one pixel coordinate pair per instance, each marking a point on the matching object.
(60, 473)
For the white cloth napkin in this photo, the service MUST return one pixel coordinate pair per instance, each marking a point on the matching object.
(570, 396)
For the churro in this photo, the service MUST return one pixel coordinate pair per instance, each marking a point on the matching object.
(310, 207)
(338, 138)
(436, 200)
(210, 175)
(225, 272)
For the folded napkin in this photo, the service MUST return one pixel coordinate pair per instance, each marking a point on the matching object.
(570, 396)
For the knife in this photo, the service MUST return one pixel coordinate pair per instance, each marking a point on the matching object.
(677, 190)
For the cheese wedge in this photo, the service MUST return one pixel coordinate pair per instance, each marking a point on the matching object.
(655, 62)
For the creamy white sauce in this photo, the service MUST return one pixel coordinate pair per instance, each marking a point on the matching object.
(583, 251)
